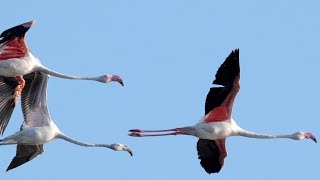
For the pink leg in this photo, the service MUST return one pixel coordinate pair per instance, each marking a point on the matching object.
(19, 88)
(142, 131)
(176, 131)
(221, 144)
(134, 134)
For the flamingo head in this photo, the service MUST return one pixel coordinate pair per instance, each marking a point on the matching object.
(304, 135)
(120, 147)
(109, 77)
(18, 31)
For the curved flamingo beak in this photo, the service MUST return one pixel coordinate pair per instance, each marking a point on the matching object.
(314, 139)
(117, 78)
(310, 136)
(130, 152)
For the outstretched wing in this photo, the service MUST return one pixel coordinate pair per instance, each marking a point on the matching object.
(209, 154)
(34, 100)
(7, 89)
(35, 113)
(219, 101)
(24, 154)
(218, 107)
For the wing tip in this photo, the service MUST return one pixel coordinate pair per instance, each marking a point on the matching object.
(208, 167)
(228, 70)
(209, 156)
(12, 165)
(21, 158)
(9, 168)
(235, 53)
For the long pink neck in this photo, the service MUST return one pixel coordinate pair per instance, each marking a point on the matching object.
(53, 73)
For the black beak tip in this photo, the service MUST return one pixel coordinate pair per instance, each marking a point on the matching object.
(120, 82)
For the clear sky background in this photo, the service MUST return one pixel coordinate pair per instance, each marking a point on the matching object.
(167, 52)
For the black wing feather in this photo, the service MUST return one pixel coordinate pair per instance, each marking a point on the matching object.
(208, 153)
(215, 97)
(225, 76)
(7, 89)
(24, 154)
(228, 70)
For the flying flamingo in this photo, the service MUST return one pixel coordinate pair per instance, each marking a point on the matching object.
(15, 61)
(38, 128)
(217, 124)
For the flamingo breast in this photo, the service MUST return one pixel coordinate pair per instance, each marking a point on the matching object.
(18, 66)
(215, 130)
(35, 135)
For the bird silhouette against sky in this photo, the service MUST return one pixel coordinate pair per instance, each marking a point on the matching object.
(218, 124)
(15, 61)
(38, 128)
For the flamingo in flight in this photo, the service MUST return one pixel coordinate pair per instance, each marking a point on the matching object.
(217, 124)
(15, 61)
(38, 128)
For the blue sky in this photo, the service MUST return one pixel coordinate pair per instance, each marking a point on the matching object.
(168, 52)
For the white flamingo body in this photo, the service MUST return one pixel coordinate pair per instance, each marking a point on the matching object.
(217, 124)
(19, 66)
(34, 135)
(215, 130)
